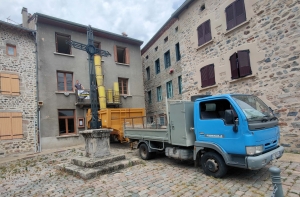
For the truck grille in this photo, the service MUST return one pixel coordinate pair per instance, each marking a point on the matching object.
(270, 145)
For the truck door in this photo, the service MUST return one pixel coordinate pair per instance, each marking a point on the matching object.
(210, 126)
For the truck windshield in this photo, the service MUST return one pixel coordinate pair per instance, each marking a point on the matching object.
(253, 107)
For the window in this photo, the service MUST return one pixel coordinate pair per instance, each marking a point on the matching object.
(159, 93)
(9, 84)
(176, 29)
(169, 89)
(148, 73)
(64, 81)
(123, 85)
(235, 14)
(61, 45)
(97, 45)
(156, 48)
(157, 66)
(207, 76)
(166, 39)
(162, 120)
(179, 85)
(177, 50)
(147, 57)
(204, 33)
(240, 64)
(202, 7)
(11, 125)
(214, 109)
(11, 50)
(66, 122)
(167, 59)
(149, 97)
(121, 54)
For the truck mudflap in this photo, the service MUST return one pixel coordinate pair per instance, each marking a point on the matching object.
(258, 162)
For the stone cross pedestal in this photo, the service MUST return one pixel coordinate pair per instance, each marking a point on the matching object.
(97, 142)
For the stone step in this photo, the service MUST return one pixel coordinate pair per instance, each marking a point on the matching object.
(88, 173)
(94, 162)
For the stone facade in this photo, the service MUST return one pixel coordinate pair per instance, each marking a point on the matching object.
(270, 32)
(22, 64)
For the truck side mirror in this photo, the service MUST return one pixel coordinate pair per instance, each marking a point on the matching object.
(229, 119)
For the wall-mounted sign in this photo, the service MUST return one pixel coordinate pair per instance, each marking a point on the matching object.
(83, 94)
(80, 122)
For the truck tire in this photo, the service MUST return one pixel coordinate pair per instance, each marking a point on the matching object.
(213, 164)
(144, 152)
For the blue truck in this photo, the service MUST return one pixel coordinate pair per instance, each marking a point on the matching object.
(215, 131)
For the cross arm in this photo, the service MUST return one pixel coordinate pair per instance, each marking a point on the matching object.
(102, 52)
(77, 45)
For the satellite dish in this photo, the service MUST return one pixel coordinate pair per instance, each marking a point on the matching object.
(66, 93)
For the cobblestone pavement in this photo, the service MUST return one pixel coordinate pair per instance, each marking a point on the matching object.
(161, 176)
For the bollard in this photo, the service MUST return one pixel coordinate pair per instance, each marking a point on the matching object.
(276, 181)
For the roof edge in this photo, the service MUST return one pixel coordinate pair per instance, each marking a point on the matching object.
(16, 26)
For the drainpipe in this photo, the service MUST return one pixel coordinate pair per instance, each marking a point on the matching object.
(37, 89)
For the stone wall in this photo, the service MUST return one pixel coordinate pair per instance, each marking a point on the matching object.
(164, 76)
(272, 35)
(24, 65)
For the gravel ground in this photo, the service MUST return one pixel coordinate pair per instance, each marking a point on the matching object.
(37, 176)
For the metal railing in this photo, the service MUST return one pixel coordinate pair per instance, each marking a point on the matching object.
(145, 122)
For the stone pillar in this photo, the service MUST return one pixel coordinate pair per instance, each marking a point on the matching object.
(97, 142)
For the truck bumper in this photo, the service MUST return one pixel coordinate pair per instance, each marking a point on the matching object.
(257, 162)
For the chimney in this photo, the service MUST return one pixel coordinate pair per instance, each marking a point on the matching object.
(24, 17)
(124, 34)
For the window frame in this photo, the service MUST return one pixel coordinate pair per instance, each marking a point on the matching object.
(204, 33)
(237, 19)
(126, 55)
(121, 88)
(65, 81)
(14, 48)
(167, 56)
(66, 122)
(177, 50)
(56, 43)
(13, 83)
(148, 73)
(169, 87)
(157, 66)
(13, 126)
(180, 84)
(206, 76)
(149, 94)
(245, 64)
(159, 93)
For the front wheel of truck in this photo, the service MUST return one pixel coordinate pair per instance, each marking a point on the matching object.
(144, 152)
(213, 164)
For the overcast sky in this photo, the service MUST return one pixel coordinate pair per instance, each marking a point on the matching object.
(140, 19)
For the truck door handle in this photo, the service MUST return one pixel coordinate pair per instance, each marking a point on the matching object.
(201, 133)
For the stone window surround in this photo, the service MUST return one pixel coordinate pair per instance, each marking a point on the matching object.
(12, 43)
(14, 48)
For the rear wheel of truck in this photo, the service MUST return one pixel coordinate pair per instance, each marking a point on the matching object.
(144, 152)
(213, 164)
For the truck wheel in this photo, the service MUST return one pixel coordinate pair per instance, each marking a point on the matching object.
(213, 164)
(144, 152)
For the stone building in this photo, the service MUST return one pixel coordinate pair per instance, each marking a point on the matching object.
(62, 111)
(18, 102)
(234, 46)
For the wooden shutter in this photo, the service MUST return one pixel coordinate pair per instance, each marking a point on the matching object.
(204, 76)
(230, 16)
(244, 63)
(240, 13)
(234, 66)
(5, 126)
(211, 75)
(115, 53)
(201, 39)
(15, 85)
(127, 56)
(16, 122)
(207, 31)
(5, 84)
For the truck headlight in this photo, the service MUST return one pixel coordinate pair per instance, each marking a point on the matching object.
(252, 150)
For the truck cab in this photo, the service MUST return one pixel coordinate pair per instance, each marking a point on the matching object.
(234, 130)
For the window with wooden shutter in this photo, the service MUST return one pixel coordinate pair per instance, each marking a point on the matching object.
(204, 33)
(235, 14)
(123, 85)
(9, 84)
(234, 66)
(207, 76)
(11, 125)
(230, 16)
(121, 55)
(61, 45)
(240, 13)
(244, 63)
